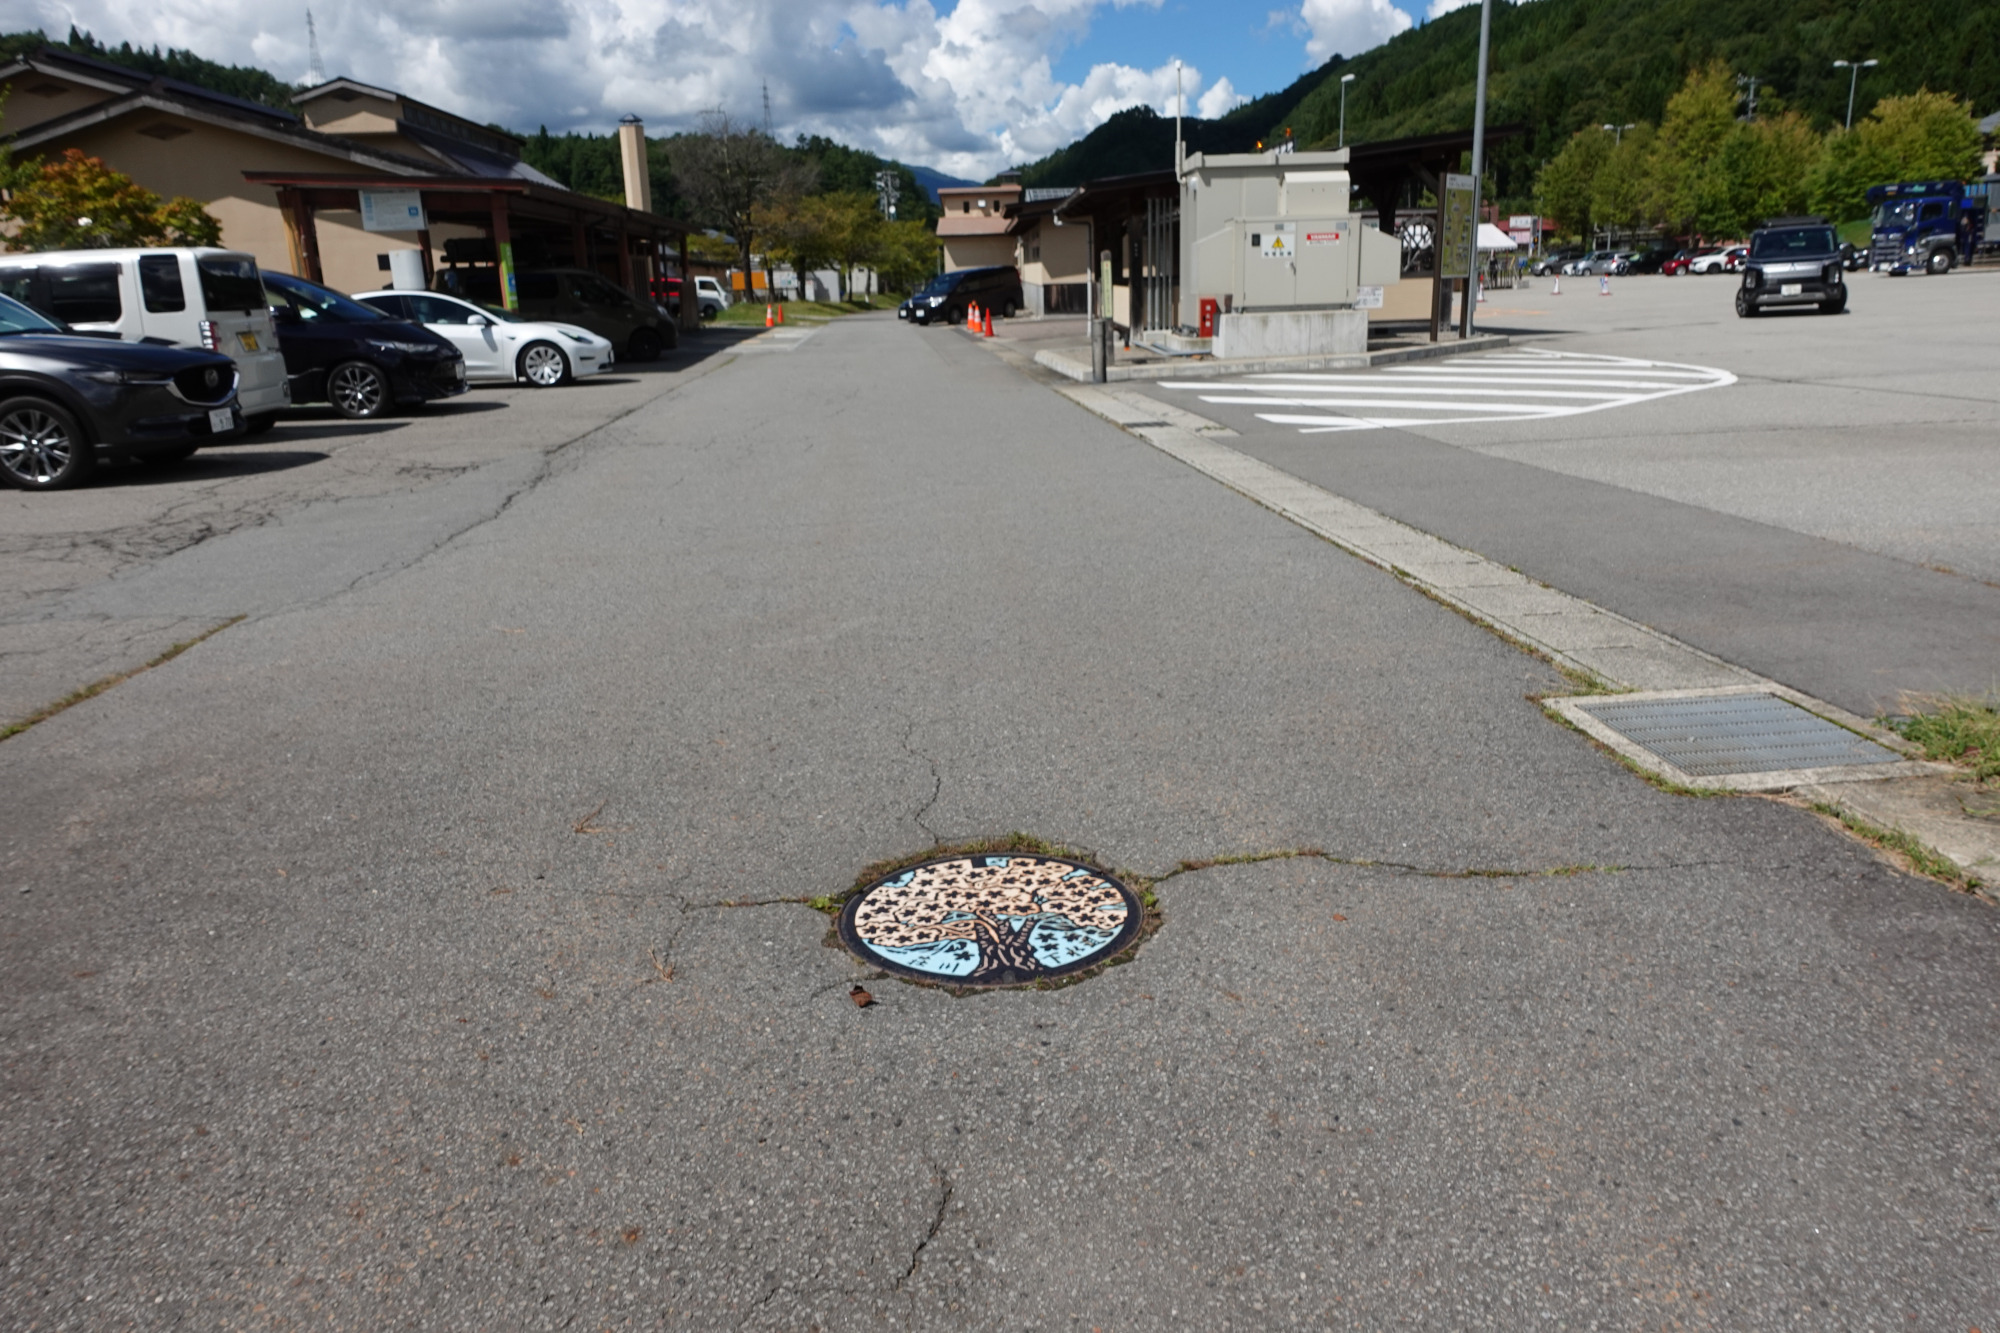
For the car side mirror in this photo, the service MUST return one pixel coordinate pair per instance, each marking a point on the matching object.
(480, 322)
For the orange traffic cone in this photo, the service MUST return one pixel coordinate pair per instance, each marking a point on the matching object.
(767, 315)
(781, 312)
(972, 317)
(989, 325)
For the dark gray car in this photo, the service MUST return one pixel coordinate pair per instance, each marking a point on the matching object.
(1793, 262)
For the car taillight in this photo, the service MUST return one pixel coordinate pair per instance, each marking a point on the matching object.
(209, 340)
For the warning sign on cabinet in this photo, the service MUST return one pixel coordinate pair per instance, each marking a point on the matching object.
(1278, 243)
(1322, 238)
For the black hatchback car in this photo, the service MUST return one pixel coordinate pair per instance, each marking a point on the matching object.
(363, 362)
(1793, 262)
(65, 399)
(948, 296)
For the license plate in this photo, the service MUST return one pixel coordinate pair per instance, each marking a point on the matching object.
(221, 420)
(249, 341)
(1790, 288)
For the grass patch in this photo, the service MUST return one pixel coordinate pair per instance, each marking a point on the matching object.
(97, 687)
(1919, 857)
(1958, 729)
(750, 314)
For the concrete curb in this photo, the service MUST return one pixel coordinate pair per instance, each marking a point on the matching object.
(1911, 797)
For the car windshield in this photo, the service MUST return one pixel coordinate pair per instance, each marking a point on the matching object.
(941, 284)
(317, 303)
(1792, 243)
(1895, 213)
(18, 318)
(229, 282)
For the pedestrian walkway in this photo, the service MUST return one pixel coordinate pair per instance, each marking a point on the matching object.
(1524, 384)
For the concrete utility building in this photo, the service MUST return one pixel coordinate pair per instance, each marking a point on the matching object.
(290, 189)
(974, 229)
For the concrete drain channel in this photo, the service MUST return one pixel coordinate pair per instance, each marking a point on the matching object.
(1743, 740)
(992, 920)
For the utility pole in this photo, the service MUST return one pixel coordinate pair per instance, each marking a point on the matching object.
(1750, 106)
(1180, 150)
(887, 192)
(1617, 133)
(1853, 68)
(767, 108)
(1478, 165)
(1345, 79)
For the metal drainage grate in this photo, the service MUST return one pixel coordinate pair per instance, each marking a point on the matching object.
(1717, 736)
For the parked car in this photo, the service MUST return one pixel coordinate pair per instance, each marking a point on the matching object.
(355, 357)
(1718, 260)
(1650, 261)
(713, 299)
(66, 399)
(200, 298)
(498, 344)
(1793, 261)
(1595, 263)
(1552, 262)
(948, 296)
(1682, 259)
(639, 328)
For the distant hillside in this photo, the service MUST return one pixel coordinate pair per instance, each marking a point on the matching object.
(933, 181)
(1140, 139)
(244, 81)
(1560, 65)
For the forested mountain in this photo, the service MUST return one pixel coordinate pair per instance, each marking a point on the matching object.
(1560, 65)
(244, 81)
(1139, 139)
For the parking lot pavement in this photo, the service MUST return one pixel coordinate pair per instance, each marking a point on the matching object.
(433, 952)
(1827, 519)
(76, 600)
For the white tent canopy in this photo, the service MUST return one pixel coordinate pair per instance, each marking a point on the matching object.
(1492, 238)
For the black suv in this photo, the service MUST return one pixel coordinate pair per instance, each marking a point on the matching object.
(363, 362)
(946, 297)
(1792, 262)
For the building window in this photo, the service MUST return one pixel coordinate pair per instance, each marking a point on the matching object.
(966, 206)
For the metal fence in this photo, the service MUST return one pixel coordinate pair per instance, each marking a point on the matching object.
(1158, 280)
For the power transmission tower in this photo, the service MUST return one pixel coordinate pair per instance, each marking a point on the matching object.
(1749, 81)
(315, 67)
(767, 108)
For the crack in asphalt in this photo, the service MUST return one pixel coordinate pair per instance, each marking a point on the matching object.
(937, 785)
(937, 1224)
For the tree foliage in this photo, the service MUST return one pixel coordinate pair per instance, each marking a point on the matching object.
(593, 164)
(78, 203)
(1710, 173)
(244, 81)
(729, 173)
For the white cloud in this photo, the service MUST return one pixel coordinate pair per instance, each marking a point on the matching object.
(1349, 27)
(1438, 7)
(967, 91)
(1219, 100)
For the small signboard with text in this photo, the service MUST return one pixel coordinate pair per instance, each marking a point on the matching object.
(1455, 252)
(392, 210)
(1280, 242)
(1322, 238)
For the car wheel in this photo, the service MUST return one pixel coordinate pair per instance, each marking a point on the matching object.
(1745, 307)
(543, 365)
(643, 345)
(1006, 310)
(41, 446)
(258, 425)
(1834, 306)
(1939, 262)
(358, 390)
(710, 312)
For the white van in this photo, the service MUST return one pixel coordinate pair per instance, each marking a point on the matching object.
(212, 299)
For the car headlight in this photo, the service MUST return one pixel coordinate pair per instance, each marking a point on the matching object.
(935, 301)
(396, 345)
(577, 337)
(152, 377)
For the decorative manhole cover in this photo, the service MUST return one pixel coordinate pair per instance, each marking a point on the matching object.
(992, 920)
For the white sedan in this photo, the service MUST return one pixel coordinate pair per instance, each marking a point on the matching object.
(498, 344)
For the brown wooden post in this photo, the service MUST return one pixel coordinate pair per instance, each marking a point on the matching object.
(624, 256)
(503, 252)
(424, 249)
(301, 236)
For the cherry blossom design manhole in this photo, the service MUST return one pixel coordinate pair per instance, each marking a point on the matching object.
(992, 920)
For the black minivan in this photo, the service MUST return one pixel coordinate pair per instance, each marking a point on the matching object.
(945, 298)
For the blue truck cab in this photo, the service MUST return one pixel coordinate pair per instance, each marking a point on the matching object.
(1926, 226)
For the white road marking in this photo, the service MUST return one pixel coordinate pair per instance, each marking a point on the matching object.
(1473, 388)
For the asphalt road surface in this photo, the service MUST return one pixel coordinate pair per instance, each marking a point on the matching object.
(422, 952)
(1830, 518)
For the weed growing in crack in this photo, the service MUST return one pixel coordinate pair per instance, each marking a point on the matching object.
(97, 687)
(1919, 857)
(1956, 728)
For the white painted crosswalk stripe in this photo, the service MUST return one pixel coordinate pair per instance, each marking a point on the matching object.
(1503, 386)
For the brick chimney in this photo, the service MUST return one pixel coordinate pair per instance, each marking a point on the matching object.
(632, 156)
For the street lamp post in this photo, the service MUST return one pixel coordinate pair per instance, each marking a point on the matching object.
(1478, 168)
(1345, 79)
(1853, 68)
(1617, 132)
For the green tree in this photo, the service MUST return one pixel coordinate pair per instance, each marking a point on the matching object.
(1763, 170)
(1565, 186)
(799, 232)
(1700, 120)
(906, 254)
(78, 203)
(728, 172)
(1622, 194)
(1924, 136)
